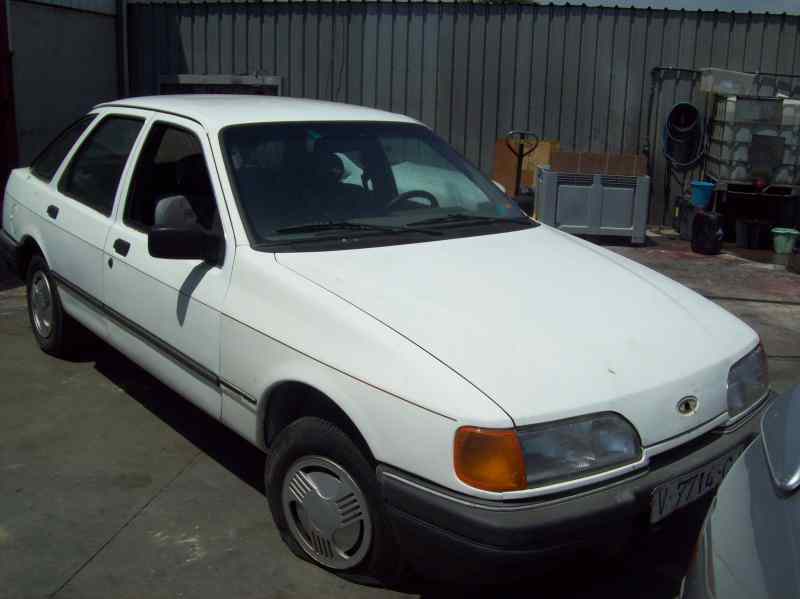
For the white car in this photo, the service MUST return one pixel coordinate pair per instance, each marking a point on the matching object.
(436, 378)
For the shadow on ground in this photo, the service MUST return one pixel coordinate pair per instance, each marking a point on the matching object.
(204, 432)
(653, 568)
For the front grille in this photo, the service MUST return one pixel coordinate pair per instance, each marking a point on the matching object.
(685, 449)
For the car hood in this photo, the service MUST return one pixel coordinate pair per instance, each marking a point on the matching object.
(546, 325)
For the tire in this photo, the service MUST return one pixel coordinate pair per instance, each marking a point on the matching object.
(304, 460)
(53, 329)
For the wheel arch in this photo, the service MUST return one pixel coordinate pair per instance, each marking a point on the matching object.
(28, 247)
(288, 400)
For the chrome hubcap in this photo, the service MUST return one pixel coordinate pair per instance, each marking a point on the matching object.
(41, 299)
(326, 512)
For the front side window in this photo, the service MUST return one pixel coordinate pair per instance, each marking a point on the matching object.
(93, 175)
(45, 165)
(307, 183)
(171, 185)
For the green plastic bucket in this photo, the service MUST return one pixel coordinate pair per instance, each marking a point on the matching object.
(784, 239)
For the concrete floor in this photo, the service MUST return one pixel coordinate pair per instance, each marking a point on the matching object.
(111, 485)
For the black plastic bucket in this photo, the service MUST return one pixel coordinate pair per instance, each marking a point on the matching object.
(707, 233)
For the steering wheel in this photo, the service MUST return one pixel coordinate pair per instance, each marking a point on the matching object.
(414, 193)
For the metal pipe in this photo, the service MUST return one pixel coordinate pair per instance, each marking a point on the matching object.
(776, 75)
(123, 85)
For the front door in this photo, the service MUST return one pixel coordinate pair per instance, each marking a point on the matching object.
(165, 313)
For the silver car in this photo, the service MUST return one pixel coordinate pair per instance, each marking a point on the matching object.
(749, 547)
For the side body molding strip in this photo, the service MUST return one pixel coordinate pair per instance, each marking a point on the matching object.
(156, 342)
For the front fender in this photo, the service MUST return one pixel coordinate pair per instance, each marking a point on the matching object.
(276, 302)
(396, 431)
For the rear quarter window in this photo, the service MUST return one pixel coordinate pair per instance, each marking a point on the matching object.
(45, 165)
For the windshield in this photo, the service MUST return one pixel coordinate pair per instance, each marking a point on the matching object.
(363, 182)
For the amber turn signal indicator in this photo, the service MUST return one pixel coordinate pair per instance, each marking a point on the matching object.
(489, 459)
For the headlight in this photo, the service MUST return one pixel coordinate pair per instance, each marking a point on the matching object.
(748, 381)
(509, 460)
(577, 447)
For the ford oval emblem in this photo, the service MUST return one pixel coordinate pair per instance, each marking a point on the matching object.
(687, 406)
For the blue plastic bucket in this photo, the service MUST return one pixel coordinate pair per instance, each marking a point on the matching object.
(701, 194)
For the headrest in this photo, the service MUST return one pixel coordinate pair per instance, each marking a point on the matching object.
(175, 211)
(192, 175)
(328, 167)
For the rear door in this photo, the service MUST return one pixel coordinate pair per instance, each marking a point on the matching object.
(77, 210)
(168, 311)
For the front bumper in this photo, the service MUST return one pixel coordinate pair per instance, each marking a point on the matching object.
(9, 252)
(443, 532)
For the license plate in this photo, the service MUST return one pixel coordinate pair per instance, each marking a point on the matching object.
(681, 491)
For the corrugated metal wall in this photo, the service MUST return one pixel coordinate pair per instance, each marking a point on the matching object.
(471, 71)
(105, 7)
(8, 125)
(64, 61)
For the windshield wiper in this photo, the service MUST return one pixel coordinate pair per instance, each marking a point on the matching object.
(351, 226)
(470, 219)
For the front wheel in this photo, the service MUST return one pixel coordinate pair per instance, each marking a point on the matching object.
(324, 498)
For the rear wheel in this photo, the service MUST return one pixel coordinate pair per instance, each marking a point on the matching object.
(52, 327)
(324, 499)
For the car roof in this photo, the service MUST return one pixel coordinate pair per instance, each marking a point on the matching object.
(216, 111)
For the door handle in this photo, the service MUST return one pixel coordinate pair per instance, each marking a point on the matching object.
(122, 247)
(52, 211)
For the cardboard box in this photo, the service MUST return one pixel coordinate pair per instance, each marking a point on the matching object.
(505, 163)
(592, 163)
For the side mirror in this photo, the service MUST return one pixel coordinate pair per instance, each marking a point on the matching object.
(500, 186)
(781, 442)
(184, 244)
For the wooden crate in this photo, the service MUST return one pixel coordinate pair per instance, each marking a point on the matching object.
(593, 163)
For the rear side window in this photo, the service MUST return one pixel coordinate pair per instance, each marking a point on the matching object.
(93, 175)
(46, 164)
